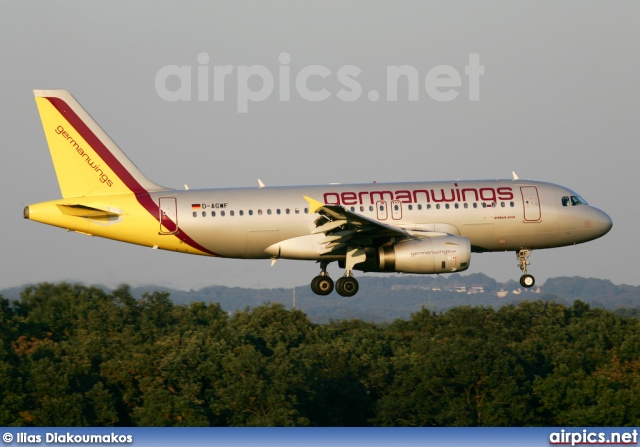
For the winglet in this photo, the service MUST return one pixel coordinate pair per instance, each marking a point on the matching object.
(314, 205)
(515, 176)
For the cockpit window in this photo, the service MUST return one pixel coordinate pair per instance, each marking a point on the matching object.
(573, 201)
(577, 200)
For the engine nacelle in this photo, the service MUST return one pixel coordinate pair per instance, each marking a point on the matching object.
(441, 254)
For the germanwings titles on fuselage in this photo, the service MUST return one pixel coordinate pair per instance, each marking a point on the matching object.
(419, 227)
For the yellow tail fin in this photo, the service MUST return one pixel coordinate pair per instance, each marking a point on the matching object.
(86, 160)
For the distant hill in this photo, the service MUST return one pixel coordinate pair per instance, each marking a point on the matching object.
(384, 299)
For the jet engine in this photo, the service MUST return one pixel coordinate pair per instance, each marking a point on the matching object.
(439, 254)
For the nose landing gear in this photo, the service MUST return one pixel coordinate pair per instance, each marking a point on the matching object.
(526, 280)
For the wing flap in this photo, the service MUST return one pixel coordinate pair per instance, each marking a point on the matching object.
(337, 235)
(343, 228)
(332, 248)
(330, 225)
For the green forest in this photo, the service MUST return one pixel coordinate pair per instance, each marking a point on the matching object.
(73, 355)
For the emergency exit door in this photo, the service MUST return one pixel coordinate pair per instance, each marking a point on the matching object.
(381, 206)
(168, 215)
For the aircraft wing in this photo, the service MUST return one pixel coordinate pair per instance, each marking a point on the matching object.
(343, 228)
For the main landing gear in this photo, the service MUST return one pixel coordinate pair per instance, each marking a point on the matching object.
(347, 285)
(526, 280)
(323, 284)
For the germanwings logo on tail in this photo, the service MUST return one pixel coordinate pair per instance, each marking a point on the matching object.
(104, 178)
(89, 164)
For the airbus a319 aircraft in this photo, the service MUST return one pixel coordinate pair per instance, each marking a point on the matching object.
(420, 227)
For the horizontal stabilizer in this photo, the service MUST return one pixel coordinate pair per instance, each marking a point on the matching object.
(87, 211)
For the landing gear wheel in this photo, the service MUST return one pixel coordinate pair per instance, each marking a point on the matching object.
(322, 285)
(347, 286)
(527, 281)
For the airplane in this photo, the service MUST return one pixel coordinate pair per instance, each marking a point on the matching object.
(410, 227)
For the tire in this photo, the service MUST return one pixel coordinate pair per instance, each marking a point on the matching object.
(347, 286)
(322, 285)
(527, 281)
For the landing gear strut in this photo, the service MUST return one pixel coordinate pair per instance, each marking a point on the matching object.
(348, 285)
(525, 280)
(322, 284)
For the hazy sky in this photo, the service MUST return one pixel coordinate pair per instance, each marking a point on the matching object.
(558, 101)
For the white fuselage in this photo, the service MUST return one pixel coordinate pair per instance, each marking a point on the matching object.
(495, 215)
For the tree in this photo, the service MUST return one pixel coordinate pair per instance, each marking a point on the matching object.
(347, 365)
(260, 382)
